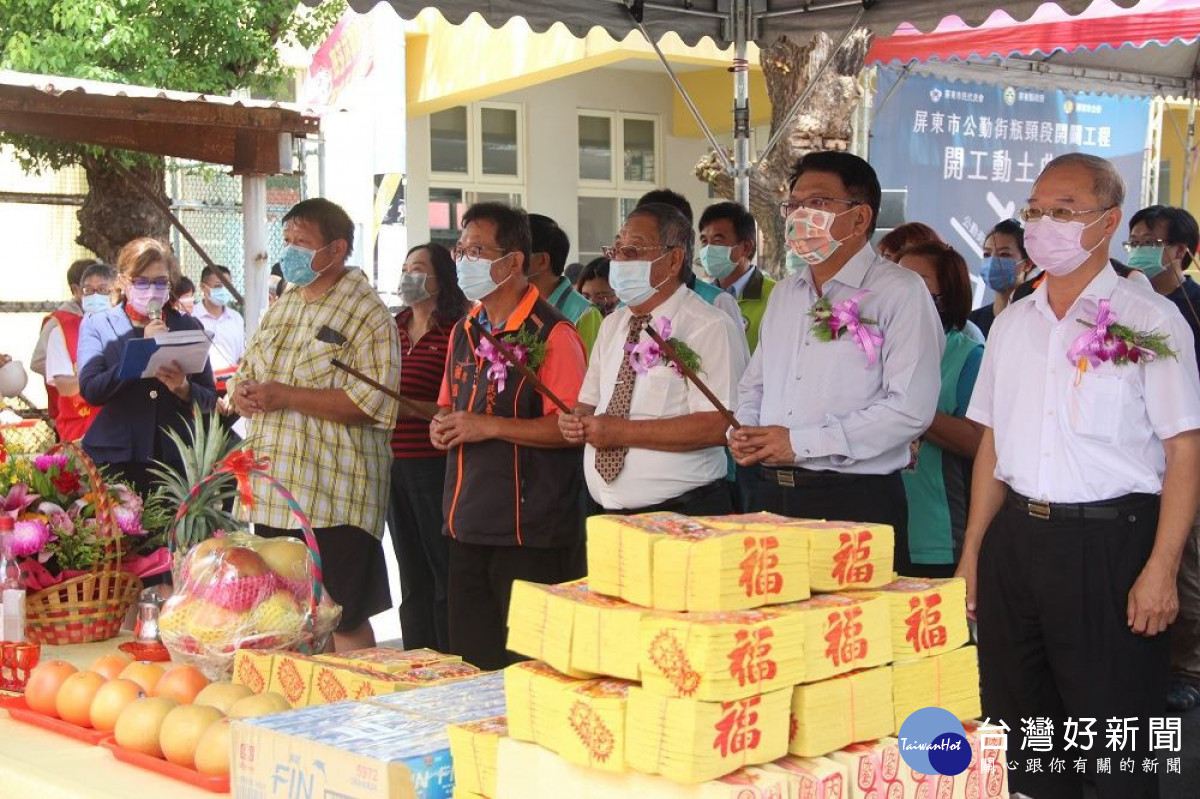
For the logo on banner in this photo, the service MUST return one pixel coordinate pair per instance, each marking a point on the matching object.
(1010, 95)
(933, 741)
(935, 95)
(1068, 106)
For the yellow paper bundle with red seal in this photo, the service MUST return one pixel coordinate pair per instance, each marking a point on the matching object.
(929, 616)
(843, 632)
(689, 741)
(620, 552)
(541, 624)
(832, 714)
(849, 555)
(949, 680)
(473, 746)
(720, 656)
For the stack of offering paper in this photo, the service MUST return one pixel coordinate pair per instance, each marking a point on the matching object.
(690, 741)
(594, 732)
(813, 777)
(720, 656)
(843, 632)
(846, 555)
(605, 638)
(846, 709)
(949, 681)
(387, 659)
(541, 624)
(620, 552)
(876, 770)
(473, 746)
(929, 617)
(533, 698)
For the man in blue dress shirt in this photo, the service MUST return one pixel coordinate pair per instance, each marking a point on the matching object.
(846, 374)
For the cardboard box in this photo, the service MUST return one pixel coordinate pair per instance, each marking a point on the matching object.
(252, 668)
(348, 749)
(291, 677)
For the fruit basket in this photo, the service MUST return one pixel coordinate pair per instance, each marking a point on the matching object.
(242, 591)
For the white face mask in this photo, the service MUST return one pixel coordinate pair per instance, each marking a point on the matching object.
(475, 277)
(1056, 246)
(630, 280)
(413, 289)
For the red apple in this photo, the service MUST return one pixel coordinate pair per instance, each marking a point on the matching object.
(242, 562)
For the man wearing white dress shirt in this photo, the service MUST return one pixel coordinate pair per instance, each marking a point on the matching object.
(827, 425)
(226, 325)
(1084, 491)
(657, 443)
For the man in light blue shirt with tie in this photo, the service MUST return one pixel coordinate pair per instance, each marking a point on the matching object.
(847, 371)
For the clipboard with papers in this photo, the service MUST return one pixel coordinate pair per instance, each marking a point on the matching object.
(142, 357)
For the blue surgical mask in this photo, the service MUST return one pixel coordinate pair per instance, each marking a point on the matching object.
(716, 261)
(792, 263)
(95, 303)
(998, 272)
(296, 263)
(220, 296)
(630, 280)
(1148, 260)
(475, 277)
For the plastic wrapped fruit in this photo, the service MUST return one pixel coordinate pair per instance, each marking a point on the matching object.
(245, 592)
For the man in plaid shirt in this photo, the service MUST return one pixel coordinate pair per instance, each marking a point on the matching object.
(326, 433)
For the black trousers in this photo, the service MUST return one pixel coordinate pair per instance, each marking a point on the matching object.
(481, 579)
(1054, 643)
(714, 499)
(877, 498)
(422, 555)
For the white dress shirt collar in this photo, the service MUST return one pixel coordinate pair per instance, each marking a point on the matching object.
(852, 274)
(1101, 287)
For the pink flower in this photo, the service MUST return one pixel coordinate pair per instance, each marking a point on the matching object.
(130, 521)
(30, 537)
(17, 500)
(44, 463)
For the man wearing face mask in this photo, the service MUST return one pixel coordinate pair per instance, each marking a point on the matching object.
(226, 325)
(326, 433)
(74, 415)
(827, 424)
(1084, 489)
(654, 441)
(727, 247)
(513, 502)
(547, 263)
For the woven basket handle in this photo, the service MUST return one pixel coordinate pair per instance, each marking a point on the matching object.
(105, 517)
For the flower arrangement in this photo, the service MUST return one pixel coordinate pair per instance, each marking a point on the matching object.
(1107, 340)
(645, 355)
(57, 532)
(525, 346)
(830, 322)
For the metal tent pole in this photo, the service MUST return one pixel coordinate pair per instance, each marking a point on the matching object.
(740, 19)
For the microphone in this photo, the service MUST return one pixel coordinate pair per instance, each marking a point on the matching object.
(154, 310)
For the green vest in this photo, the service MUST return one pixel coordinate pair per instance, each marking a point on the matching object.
(938, 490)
(753, 303)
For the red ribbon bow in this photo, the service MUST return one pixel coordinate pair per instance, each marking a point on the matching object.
(240, 463)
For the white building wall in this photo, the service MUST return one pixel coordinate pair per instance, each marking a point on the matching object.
(551, 184)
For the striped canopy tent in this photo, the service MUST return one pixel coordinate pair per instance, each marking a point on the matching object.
(735, 22)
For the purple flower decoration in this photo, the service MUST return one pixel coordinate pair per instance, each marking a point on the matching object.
(30, 537)
(646, 354)
(498, 370)
(44, 463)
(129, 520)
(17, 500)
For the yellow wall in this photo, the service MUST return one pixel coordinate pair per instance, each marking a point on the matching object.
(712, 92)
(1174, 151)
(452, 65)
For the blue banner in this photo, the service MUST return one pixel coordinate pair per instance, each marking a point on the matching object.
(968, 153)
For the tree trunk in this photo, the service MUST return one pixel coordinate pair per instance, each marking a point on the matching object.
(115, 212)
(822, 123)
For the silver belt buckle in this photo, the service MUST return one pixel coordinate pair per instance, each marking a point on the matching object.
(786, 479)
(1039, 509)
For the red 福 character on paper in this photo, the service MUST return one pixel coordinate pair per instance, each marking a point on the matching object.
(750, 660)
(737, 730)
(850, 564)
(759, 566)
(843, 637)
(925, 630)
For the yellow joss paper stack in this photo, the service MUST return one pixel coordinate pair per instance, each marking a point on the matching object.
(949, 681)
(876, 770)
(834, 713)
(813, 777)
(927, 616)
(715, 570)
(605, 637)
(594, 733)
(541, 623)
(620, 552)
(473, 746)
(689, 741)
(843, 632)
(533, 700)
(720, 656)
(846, 555)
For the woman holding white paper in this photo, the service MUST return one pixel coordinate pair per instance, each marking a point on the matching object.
(129, 433)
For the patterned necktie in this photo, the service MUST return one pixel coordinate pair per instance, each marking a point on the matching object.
(609, 462)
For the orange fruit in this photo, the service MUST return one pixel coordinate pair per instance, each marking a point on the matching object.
(182, 730)
(140, 723)
(113, 697)
(74, 701)
(41, 690)
(181, 683)
(110, 666)
(144, 673)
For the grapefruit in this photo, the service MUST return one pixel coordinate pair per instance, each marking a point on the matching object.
(144, 673)
(182, 729)
(181, 683)
(113, 697)
(111, 666)
(259, 705)
(213, 750)
(74, 700)
(41, 690)
(139, 725)
(222, 695)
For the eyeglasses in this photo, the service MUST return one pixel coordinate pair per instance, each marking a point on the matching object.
(630, 252)
(1030, 213)
(142, 284)
(788, 207)
(88, 292)
(602, 297)
(473, 252)
(1130, 246)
